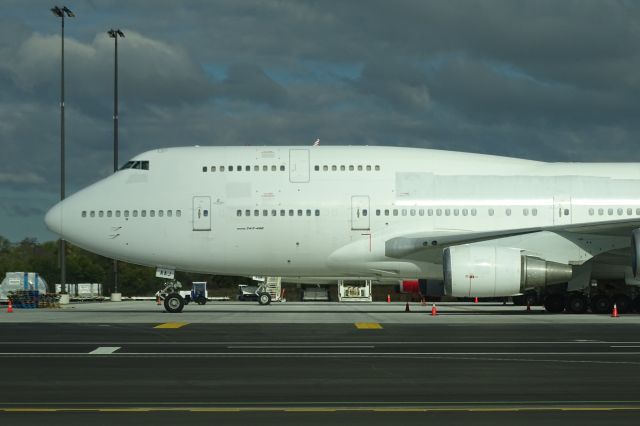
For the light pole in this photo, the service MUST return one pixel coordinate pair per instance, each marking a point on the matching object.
(114, 34)
(61, 12)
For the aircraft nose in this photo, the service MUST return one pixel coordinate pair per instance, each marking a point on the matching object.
(53, 219)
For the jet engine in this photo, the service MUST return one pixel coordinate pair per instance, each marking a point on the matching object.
(635, 251)
(484, 271)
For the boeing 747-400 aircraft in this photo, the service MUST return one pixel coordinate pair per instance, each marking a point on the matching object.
(483, 225)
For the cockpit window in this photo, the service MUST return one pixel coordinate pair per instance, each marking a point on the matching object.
(140, 165)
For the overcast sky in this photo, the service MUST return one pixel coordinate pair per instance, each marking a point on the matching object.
(545, 80)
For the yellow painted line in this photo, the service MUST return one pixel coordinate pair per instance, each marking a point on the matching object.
(171, 325)
(368, 326)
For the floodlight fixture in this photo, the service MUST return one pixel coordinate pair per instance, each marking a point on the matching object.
(115, 33)
(60, 12)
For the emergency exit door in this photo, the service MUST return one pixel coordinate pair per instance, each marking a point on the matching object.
(360, 212)
(299, 165)
(201, 213)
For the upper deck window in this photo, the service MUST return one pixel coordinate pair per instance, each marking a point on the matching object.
(140, 165)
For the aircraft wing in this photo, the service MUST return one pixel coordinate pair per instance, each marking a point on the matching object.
(405, 245)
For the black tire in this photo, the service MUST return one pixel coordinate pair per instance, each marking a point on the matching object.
(173, 303)
(264, 299)
(577, 304)
(201, 300)
(554, 303)
(623, 303)
(601, 305)
(636, 304)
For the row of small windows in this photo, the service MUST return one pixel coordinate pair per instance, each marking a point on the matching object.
(445, 212)
(351, 168)
(610, 212)
(125, 213)
(247, 168)
(274, 212)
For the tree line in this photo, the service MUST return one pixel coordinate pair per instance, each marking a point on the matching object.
(85, 267)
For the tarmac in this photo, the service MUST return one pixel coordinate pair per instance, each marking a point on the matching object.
(129, 312)
(316, 363)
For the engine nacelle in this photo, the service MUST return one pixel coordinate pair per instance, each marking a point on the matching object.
(484, 271)
(635, 251)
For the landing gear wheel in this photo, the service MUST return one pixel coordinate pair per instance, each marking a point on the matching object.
(577, 304)
(601, 305)
(201, 300)
(264, 298)
(174, 303)
(554, 303)
(636, 304)
(623, 303)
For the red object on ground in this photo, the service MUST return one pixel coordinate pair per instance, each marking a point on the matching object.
(10, 307)
(434, 310)
(614, 314)
(475, 300)
(388, 298)
(157, 300)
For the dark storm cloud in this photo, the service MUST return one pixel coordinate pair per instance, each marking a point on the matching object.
(21, 210)
(249, 82)
(547, 80)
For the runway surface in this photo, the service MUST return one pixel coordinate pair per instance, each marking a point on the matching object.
(360, 373)
(306, 313)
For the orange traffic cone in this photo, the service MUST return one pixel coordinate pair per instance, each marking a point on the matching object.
(10, 307)
(475, 300)
(158, 300)
(388, 298)
(406, 308)
(434, 310)
(614, 314)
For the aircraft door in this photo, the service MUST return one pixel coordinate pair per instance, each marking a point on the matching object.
(360, 213)
(299, 165)
(201, 213)
(561, 210)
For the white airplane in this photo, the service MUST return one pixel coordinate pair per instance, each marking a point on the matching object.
(483, 225)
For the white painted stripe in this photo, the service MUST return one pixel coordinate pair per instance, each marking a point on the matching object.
(104, 350)
(302, 354)
(623, 346)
